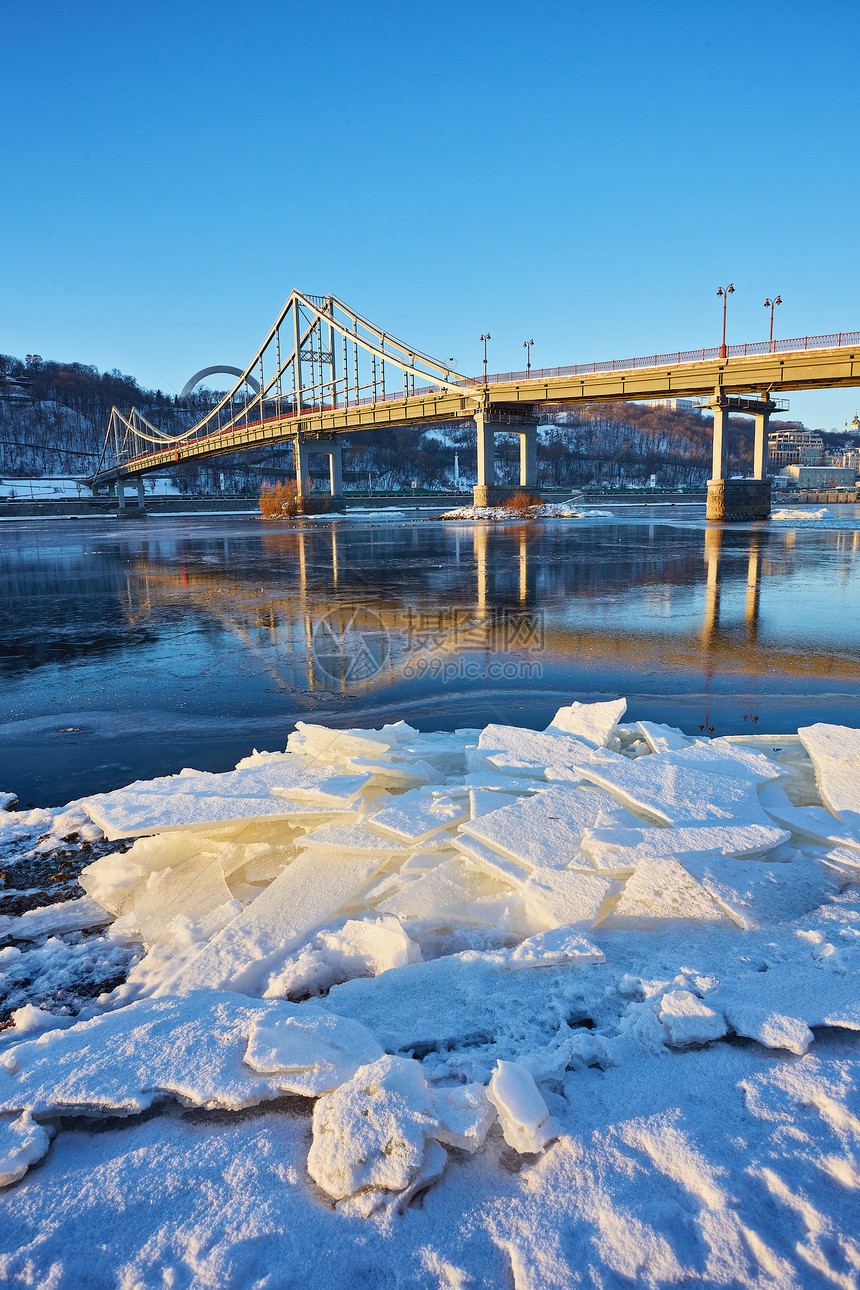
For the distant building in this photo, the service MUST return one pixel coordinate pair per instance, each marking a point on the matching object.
(820, 476)
(847, 456)
(15, 390)
(677, 405)
(794, 448)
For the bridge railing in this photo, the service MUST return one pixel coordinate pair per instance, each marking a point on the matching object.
(831, 341)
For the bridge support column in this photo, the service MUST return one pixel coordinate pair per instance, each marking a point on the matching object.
(120, 495)
(760, 449)
(141, 496)
(514, 421)
(333, 449)
(739, 499)
(303, 475)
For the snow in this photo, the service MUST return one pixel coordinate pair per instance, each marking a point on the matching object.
(494, 1006)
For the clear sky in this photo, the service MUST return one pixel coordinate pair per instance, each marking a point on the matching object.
(586, 174)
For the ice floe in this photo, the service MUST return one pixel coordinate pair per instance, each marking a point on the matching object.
(446, 942)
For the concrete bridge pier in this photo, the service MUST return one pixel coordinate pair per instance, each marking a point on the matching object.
(333, 449)
(739, 499)
(519, 421)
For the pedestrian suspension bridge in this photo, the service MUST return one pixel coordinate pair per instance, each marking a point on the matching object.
(324, 371)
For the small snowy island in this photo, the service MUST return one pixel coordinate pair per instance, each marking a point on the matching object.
(578, 1006)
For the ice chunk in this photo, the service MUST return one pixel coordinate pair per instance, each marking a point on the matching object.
(688, 1020)
(662, 891)
(835, 754)
(561, 898)
(309, 1049)
(484, 800)
(355, 838)
(191, 1049)
(371, 1131)
(301, 899)
(191, 889)
(811, 822)
(492, 862)
(591, 722)
(772, 1029)
(416, 816)
(545, 830)
(373, 1199)
(677, 794)
(523, 1114)
(455, 891)
(67, 916)
(515, 751)
(724, 758)
(629, 846)
(846, 861)
(361, 947)
(314, 740)
(323, 788)
(758, 894)
(464, 1113)
(662, 738)
(560, 945)
(22, 1143)
(393, 774)
(487, 779)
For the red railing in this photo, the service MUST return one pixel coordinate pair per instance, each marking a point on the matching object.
(833, 341)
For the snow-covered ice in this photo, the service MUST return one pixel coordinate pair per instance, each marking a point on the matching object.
(565, 985)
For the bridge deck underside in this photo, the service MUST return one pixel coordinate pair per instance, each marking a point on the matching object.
(760, 373)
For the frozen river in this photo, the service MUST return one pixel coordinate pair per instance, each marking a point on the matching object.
(130, 649)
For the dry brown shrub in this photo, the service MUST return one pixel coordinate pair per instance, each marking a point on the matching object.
(522, 503)
(280, 500)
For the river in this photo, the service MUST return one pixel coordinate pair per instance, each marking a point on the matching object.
(133, 648)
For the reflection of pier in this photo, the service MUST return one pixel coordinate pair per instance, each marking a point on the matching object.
(485, 578)
(713, 586)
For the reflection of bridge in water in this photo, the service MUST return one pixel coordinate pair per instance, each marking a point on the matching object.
(491, 598)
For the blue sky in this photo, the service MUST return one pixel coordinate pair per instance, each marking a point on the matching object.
(585, 174)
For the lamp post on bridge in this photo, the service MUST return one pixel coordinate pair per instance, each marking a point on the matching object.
(770, 304)
(725, 292)
(485, 338)
(527, 346)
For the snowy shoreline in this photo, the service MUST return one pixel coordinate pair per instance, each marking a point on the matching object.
(601, 950)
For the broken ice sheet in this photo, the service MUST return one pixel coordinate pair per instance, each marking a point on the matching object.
(659, 892)
(546, 830)
(835, 754)
(687, 1019)
(455, 891)
(309, 1049)
(562, 898)
(627, 846)
(519, 752)
(677, 794)
(191, 1049)
(300, 900)
(415, 816)
(594, 723)
(191, 889)
(361, 947)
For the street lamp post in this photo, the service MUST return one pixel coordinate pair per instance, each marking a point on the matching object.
(527, 346)
(725, 292)
(485, 339)
(770, 304)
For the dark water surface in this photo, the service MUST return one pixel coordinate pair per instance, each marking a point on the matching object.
(132, 649)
